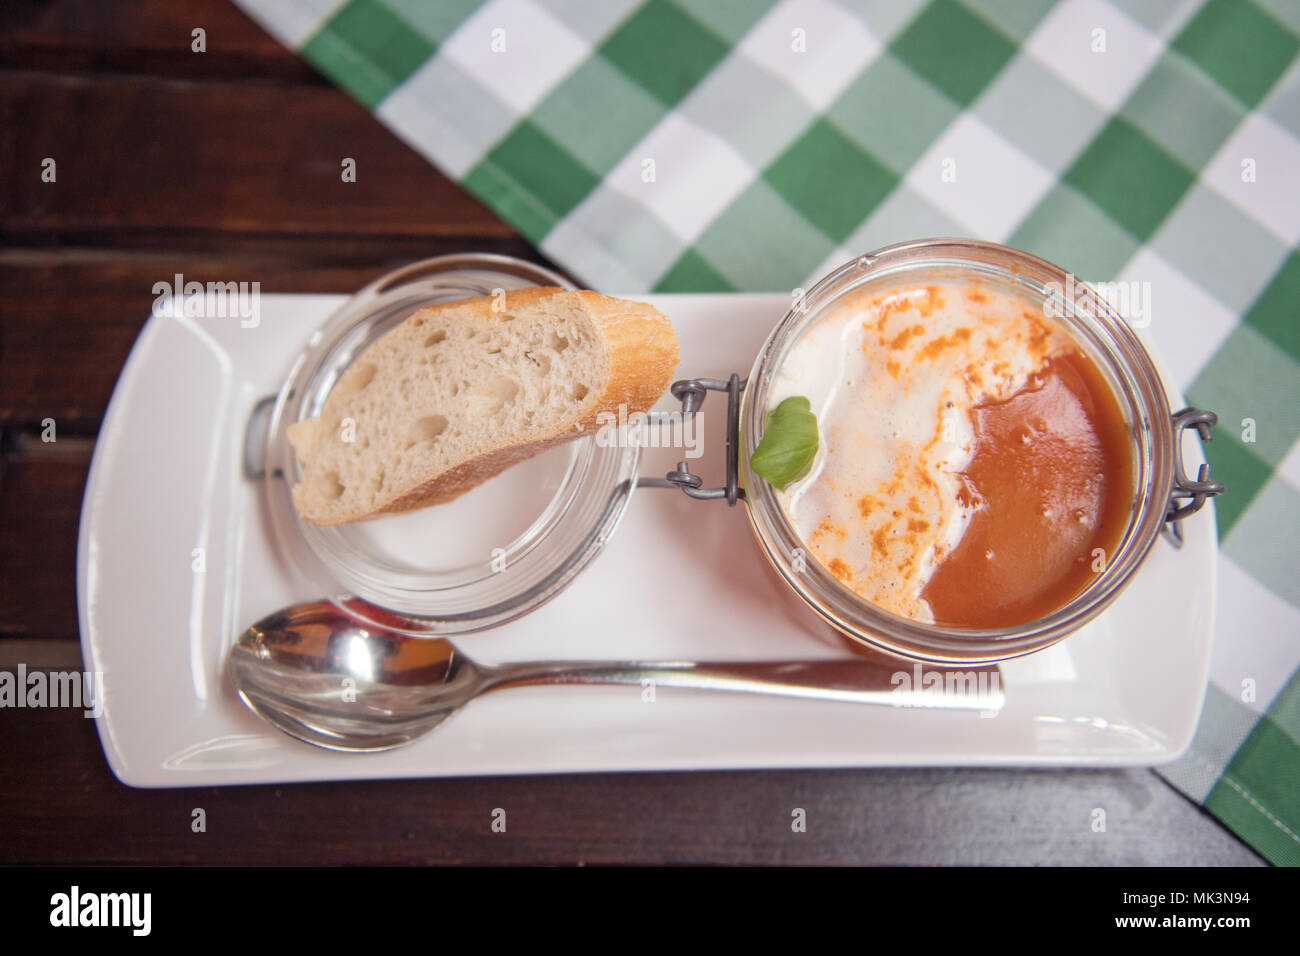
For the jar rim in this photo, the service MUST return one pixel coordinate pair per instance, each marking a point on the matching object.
(1107, 337)
(593, 484)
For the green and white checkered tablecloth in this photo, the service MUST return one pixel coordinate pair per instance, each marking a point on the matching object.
(752, 145)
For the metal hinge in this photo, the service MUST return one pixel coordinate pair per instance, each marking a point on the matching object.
(691, 392)
(1184, 488)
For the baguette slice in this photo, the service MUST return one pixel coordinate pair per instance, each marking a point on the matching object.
(459, 392)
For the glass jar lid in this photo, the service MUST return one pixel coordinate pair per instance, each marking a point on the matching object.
(485, 558)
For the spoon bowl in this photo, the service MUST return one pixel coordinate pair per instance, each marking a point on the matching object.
(330, 680)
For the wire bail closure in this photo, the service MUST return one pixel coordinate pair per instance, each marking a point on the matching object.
(1198, 491)
(691, 392)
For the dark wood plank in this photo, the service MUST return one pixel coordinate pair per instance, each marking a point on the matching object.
(68, 318)
(69, 326)
(140, 153)
(144, 36)
(69, 809)
(40, 507)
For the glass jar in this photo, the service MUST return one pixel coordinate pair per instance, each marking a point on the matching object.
(1163, 491)
(561, 506)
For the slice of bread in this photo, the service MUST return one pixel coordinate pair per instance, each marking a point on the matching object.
(461, 391)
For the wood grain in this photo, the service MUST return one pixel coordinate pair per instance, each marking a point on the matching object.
(70, 806)
(137, 153)
(40, 507)
(69, 317)
(143, 36)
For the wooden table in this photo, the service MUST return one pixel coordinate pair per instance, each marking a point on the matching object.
(224, 165)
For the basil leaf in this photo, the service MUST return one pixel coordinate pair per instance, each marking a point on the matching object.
(789, 443)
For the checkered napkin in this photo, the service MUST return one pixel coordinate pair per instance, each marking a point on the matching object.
(752, 145)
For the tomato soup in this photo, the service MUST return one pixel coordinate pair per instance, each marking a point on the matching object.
(974, 470)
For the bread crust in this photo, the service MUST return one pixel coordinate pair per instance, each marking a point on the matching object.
(642, 351)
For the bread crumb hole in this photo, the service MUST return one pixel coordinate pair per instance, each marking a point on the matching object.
(429, 427)
(493, 395)
(329, 487)
(435, 338)
(356, 378)
(557, 341)
(580, 391)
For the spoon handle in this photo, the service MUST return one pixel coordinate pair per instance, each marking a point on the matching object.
(850, 681)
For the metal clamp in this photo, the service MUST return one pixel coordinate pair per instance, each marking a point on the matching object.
(691, 392)
(1184, 488)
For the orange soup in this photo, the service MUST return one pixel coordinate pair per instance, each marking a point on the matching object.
(974, 470)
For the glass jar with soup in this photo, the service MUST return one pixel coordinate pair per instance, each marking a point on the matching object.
(952, 451)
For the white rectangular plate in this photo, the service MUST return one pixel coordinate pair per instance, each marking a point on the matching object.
(681, 579)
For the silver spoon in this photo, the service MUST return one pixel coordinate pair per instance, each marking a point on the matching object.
(327, 679)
